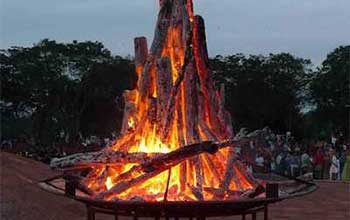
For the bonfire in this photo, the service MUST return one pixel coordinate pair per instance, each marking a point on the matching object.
(177, 141)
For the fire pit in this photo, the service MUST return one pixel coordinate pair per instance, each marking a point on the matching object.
(66, 185)
(175, 155)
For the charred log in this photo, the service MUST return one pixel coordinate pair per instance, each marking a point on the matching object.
(92, 159)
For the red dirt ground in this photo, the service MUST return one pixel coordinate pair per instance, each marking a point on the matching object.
(21, 197)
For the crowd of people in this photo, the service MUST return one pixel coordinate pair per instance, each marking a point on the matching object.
(282, 154)
(60, 148)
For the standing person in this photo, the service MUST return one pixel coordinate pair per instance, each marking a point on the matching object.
(318, 164)
(253, 152)
(259, 162)
(346, 169)
(341, 159)
(305, 162)
(279, 161)
(273, 166)
(333, 170)
(289, 162)
(333, 139)
(267, 155)
(326, 163)
(295, 164)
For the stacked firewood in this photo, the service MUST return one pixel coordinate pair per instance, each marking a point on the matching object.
(152, 164)
(175, 101)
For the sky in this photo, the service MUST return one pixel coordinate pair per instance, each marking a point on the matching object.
(305, 28)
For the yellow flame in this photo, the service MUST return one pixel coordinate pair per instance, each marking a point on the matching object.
(109, 183)
(131, 122)
(147, 139)
(150, 143)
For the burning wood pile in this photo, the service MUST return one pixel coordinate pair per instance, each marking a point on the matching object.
(176, 142)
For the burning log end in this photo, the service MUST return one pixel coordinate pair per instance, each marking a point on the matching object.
(199, 22)
(141, 50)
(220, 194)
(165, 5)
(197, 192)
(243, 132)
(265, 132)
(74, 182)
(83, 161)
(254, 192)
(57, 163)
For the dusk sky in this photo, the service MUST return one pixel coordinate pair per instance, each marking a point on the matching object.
(306, 28)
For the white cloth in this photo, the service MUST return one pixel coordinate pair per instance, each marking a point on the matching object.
(278, 159)
(334, 166)
(305, 160)
(237, 150)
(292, 167)
(273, 165)
(259, 161)
(333, 140)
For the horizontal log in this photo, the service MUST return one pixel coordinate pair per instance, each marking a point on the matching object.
(124, 185)
(196, 149)
(245, 138)
(139, 174)
(91, 159)
(150, 164)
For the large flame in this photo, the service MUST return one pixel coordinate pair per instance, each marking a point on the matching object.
(148, 139)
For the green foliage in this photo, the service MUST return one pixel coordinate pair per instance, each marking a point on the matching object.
(42, 83)
(100, 97)
(264, 91)
(330, 92)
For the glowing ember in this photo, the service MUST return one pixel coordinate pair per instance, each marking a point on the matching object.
(131, 122)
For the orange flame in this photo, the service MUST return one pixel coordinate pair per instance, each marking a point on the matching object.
(148, 140)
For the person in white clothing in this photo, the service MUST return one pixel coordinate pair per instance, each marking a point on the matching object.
(333, 170)
(259, 161)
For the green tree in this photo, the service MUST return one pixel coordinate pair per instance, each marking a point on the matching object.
(99, 101)
(330, 92)
(40, 85)
(264, 91)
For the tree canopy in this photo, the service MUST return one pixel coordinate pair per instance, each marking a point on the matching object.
(75, 90)
(44, 85)
(330, 92)
(264, 90)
